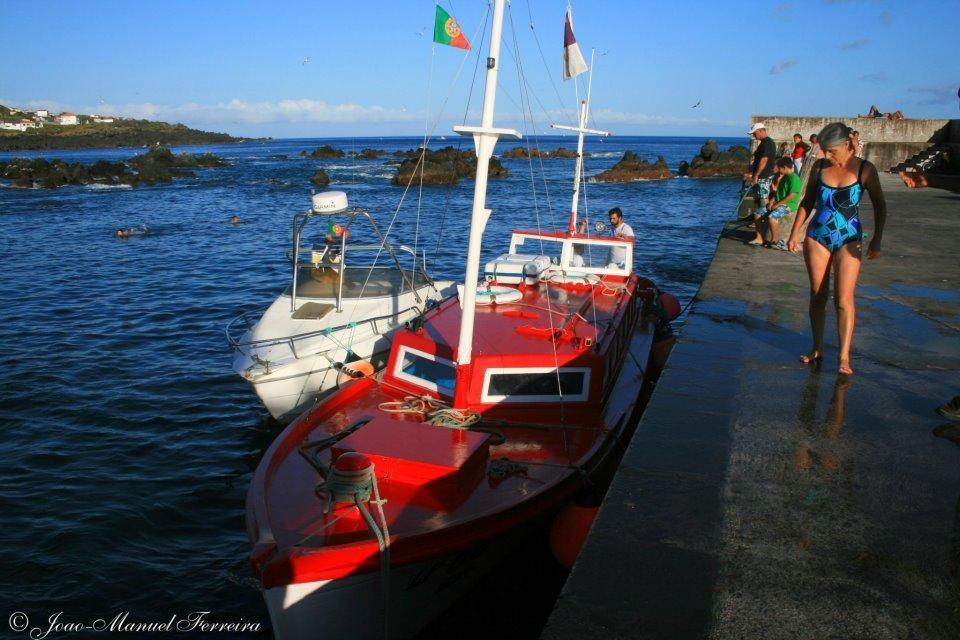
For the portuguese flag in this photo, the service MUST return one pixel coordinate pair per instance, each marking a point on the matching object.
(447, 31)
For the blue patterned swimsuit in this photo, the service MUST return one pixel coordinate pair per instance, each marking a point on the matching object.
(837, 221)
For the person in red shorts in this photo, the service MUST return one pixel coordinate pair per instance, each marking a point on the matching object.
(800, 150)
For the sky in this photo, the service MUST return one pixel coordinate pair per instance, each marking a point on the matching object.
(331, 68)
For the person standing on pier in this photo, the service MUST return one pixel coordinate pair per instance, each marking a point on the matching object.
(800, 151)
(835, 235)
(761, 168)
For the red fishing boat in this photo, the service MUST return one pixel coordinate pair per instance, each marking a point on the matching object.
(375, 510)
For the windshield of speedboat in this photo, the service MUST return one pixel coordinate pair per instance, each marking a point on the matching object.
(360, 281)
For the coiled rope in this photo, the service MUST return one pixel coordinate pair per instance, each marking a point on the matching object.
(433, 410)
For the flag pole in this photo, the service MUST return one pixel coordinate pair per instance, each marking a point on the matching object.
(580, 129)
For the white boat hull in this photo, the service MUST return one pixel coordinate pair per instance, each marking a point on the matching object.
(353, 607)
(289, 376)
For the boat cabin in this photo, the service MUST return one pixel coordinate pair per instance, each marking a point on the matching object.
(572, 253)
(550, 343)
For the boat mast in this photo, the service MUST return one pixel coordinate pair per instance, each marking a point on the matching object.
(485, 139)
(581, 129)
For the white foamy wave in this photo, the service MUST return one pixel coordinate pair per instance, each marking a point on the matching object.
(99, 187)
(606, 154)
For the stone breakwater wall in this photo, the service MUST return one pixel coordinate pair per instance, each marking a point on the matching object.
(886, 142)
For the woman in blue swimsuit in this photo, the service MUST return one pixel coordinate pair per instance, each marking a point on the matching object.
(835, 234)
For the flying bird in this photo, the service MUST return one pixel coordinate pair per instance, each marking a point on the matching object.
(421, 32)
(696, 105)
(305, 61)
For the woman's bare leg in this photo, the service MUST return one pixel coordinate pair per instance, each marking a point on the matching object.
(846, 271)
(818, 259)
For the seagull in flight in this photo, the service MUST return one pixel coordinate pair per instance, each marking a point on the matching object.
(305, 61)
(421, 32)
(696, 105)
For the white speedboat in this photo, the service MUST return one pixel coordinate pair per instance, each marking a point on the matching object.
(333, 322)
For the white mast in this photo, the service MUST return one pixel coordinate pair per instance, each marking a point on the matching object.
(485, 139)
(582, 129)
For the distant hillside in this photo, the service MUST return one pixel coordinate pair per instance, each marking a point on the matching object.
(122, 132)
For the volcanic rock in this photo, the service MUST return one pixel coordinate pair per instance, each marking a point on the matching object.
(711, 162)
(631, 167)
(326, 151)
(157, 165)
(320, 178)
(444, 166)
(560, 152)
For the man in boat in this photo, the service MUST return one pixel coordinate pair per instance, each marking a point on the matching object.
(619, 229)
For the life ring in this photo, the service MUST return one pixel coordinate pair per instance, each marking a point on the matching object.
(493, 294)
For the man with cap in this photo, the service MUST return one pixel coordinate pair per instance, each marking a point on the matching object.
(762, 167)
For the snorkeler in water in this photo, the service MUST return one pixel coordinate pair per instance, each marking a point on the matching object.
(127, 232)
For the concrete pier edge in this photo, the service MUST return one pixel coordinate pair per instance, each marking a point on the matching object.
(761, 498)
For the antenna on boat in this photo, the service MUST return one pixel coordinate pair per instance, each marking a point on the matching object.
(581, 129)
(484, 139)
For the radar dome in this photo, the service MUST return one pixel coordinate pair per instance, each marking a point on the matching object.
(329, 202)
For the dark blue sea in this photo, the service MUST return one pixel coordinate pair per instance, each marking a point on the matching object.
(128, 443)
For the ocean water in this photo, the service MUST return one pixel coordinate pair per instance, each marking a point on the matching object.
(128, 442)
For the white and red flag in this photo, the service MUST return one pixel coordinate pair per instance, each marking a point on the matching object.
(573, 62)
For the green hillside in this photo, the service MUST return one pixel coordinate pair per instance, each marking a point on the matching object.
(123, 132)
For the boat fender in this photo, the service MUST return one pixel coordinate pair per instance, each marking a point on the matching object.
(569, 531)
(670, 305)
(354, 370)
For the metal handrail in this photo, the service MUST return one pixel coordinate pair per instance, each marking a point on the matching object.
(357, 247)
(236, 344)
(300, 220)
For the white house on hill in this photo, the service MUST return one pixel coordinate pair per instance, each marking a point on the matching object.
(66, 118)
(42, 113)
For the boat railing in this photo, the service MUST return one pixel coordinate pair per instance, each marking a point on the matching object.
(237, 327)
(299, 222)
(308, 249)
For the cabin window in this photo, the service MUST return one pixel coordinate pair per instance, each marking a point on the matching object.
(537, 247)
(425, 370)
(537, 384)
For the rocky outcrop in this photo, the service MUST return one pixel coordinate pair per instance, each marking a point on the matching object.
(444, 166)
(370, 154)
(712, 163)
(326, 151)
(560, 152)
(320, 178)
(157, 165)
(631, 167)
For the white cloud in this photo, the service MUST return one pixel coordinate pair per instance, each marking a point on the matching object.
(239, 111)
(860, 43)
(780, 67)
(939, 94)
(632, 117)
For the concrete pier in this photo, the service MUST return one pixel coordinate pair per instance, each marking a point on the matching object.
(761, 498)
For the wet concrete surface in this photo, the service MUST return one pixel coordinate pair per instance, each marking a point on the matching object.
(761, 498)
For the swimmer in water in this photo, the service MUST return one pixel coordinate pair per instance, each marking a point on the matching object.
(142, 230)
(235, 219)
